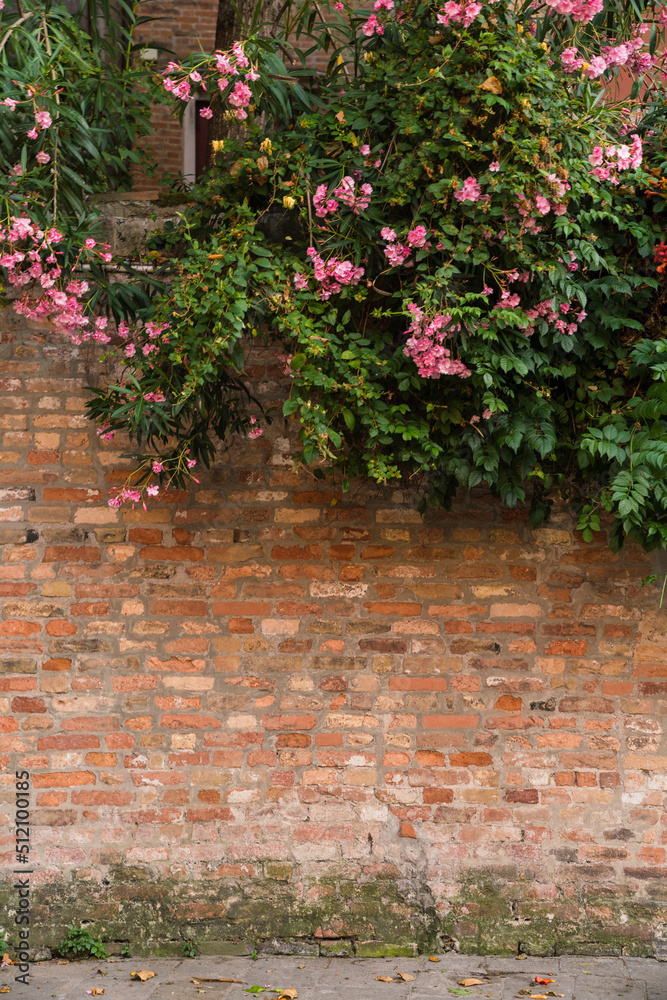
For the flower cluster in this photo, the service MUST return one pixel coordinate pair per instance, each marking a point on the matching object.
(459, 13)
(608, 162)
(373, 26)
(628, 54)
(145, 340)
(582, 11)
(230, 71)
(31, 258)
(425, 344)
(332, 274)
(356, 197)
(396, 253)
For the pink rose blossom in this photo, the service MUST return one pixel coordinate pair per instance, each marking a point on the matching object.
(205, 113)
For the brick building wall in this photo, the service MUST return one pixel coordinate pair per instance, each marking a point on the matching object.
(182, 28)
(257, 717)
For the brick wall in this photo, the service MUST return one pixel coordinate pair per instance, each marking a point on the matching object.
(255, 716)
(182, 28)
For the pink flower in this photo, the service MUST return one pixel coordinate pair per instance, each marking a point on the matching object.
(470, 191)
(450, 12)
(9, 102)
(43, 119)
(300, 282)
(388, 234)
(494, 167)
(397, 254)
(365, 149)
(339, 6)
(205, 113)
(152, 490)
(595, 158)
(417, 236)
(372, 26)
(486, 415)
(475, 419)
(470, 13)
(157, 467)
(89, 244)
(384, 5)
(595, 68)
(570, 61)
(42, 157)
(195, 76)
(542, 205)
(191, 462)
(32, 134)
(241, 95)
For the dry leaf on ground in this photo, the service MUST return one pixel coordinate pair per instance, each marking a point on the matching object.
(432, 959)
(385, 979)
(142, 975)
(543, 980)
(538, 996)
(289, 994)
(5, 989)
(6, 960)
(406, 977)
(96, 992)
(471, 982)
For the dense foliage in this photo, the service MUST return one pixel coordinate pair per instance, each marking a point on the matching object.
(466, 289)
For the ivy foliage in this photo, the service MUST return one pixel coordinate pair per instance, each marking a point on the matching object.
(554, 317)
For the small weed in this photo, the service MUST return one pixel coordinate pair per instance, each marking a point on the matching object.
(80, 942)
(190, 949)
(254, 955)
(126, 952)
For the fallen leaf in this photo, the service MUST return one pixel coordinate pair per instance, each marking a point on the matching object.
(6, 960)
(492, 84)
(552, 994)
(538, 996)
(143, 975)
(385, 979)
(301, 966)
(63, 961)
(202, 979)
(432, 959)
(542, 980)
(340, 117)
(288, 995)
(406, 977)
(5, 989)
(96, 992)
(458, 992)
(471, 982)
(521, 958)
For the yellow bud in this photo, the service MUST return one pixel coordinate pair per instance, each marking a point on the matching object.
(288, 201)
(266, 147)
(217, 145)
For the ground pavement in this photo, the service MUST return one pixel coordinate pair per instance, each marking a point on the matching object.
(577, 978)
